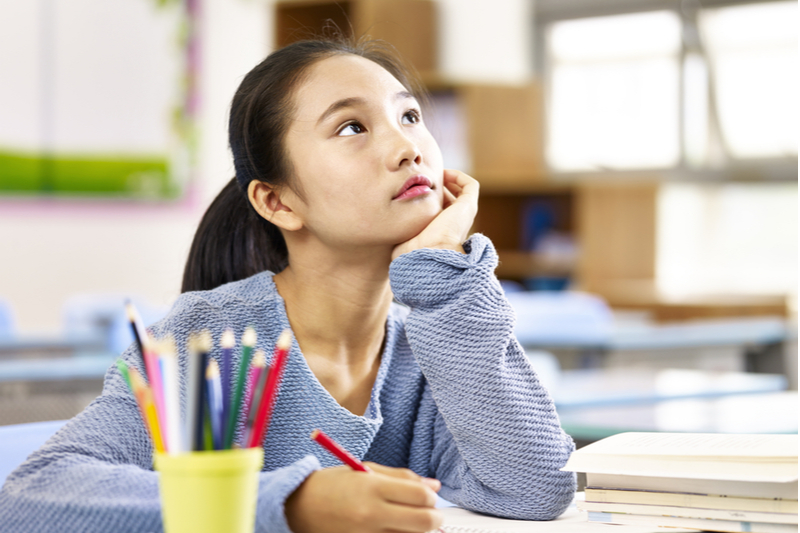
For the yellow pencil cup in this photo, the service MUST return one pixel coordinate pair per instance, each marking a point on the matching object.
(209, 492)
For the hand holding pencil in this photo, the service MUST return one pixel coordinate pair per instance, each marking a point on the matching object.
(362, 497)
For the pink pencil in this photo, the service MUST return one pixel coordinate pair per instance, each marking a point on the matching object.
(259, 365)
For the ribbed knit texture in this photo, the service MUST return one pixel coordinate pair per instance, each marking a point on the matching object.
(455, 398)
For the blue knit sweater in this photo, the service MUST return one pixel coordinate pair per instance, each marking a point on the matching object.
(455, 398)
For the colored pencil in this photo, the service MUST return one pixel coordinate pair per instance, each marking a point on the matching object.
(257, 382)
(258, 365)
(215, 402)
(145, 399)
(267, 401)
(126, 375)
(248, 342)
(203, 344)
(227, 342)
(192, 393)
(138, 329)
(172, 400)
(208, 436)
(332, 446)
(153, 369)
(123, 369)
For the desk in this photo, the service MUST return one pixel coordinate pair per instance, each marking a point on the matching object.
(36, 389)
(80, 366)
(49, 346)
(757, 339)
(591, 388)
(775, 412)
(458, 520)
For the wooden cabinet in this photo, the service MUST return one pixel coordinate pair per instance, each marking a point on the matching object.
(494, 130)
(504, 132)
(409, 25)
(616, 225)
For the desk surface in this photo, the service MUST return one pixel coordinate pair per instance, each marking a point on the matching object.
(590, 388)
(739, 413)
(458, 520)
(650, 336)
(81, 366)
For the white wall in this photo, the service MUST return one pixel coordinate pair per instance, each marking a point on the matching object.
(54, 249)
(484, 40)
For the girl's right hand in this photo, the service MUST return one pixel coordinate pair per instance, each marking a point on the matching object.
(339, 499)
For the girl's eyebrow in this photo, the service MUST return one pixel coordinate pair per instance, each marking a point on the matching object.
(355, 101)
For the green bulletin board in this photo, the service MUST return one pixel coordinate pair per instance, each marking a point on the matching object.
(99, 98)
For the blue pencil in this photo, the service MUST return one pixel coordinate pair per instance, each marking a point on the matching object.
(197, 390)
(215, 402)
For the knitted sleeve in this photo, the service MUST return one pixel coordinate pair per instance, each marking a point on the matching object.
(95, 474)
(490, 430)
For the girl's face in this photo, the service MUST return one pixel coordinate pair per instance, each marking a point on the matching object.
(369, 170)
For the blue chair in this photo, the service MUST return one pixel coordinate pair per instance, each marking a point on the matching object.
(6, 320)
(565, 318)
(103, 317)
(18, 441)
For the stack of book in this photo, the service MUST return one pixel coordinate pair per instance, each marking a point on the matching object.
(710, 482)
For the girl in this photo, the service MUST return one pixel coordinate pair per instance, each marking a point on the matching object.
(340, 203)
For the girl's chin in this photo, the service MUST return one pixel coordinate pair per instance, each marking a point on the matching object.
(410, 229)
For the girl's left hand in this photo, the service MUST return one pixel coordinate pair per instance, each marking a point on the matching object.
(451, 227)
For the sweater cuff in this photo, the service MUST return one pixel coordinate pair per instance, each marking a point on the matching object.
(275, 488)
(429, 275)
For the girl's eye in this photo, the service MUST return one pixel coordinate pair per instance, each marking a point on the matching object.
(412, 116)
(353, 128)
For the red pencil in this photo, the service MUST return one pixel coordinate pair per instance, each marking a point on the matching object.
(331, 445)
(270, 389)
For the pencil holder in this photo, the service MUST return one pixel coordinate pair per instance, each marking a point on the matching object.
(212, 491)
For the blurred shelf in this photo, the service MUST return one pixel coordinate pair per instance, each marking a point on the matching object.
(641, 294)
(519, 265)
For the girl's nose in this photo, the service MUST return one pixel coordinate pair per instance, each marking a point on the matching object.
(404, 151)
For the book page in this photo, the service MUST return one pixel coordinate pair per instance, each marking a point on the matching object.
(753, 447)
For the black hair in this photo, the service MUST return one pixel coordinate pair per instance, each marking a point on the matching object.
(233, 241)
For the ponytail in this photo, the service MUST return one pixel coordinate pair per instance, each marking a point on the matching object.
(232, 242)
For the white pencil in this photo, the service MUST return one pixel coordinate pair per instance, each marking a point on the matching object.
(169, 371)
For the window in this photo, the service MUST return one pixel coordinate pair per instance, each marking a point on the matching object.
(740, 238)
(752, 52)
(679, 88)
(614, 92)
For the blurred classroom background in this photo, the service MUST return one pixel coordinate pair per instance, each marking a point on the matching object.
(637, 158)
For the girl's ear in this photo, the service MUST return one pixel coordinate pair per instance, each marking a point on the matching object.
(267, 202)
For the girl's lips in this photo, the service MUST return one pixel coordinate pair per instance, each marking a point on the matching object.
(413, 187)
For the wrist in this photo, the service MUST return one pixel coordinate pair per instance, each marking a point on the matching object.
(448, 246)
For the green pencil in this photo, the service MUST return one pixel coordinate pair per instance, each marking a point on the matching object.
(248, 342)
(123, 369)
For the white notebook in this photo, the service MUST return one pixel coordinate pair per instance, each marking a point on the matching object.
(457, 520)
